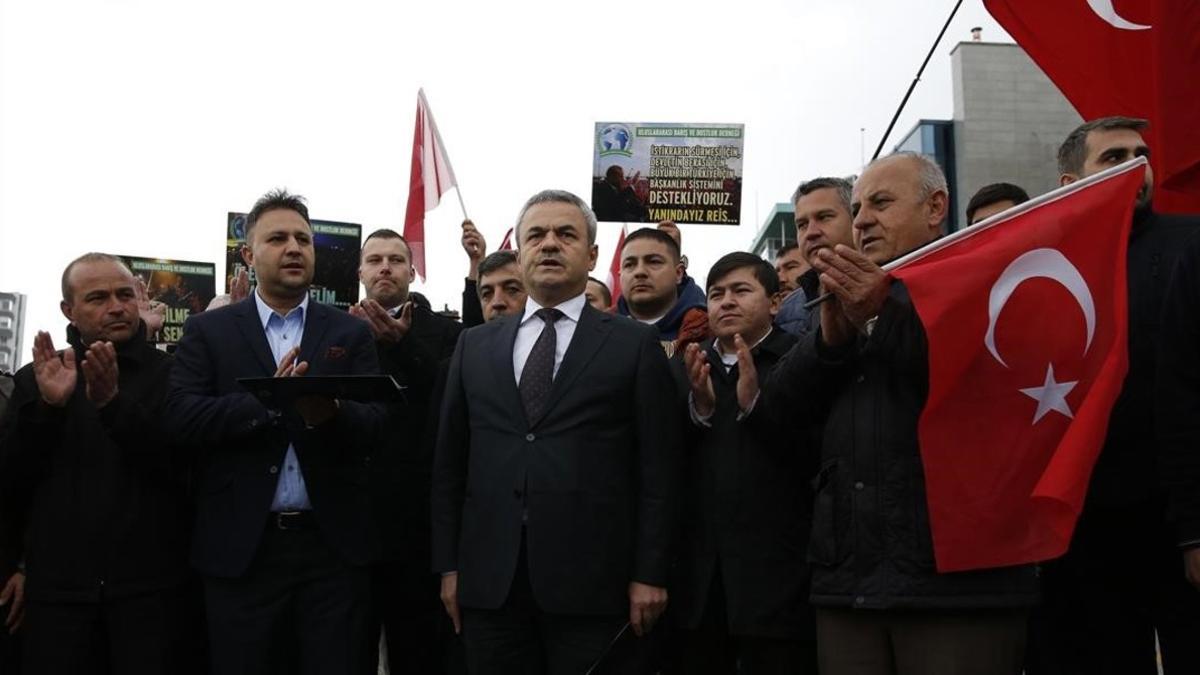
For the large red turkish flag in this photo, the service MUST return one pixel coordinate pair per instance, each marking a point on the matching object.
(1026, 320)
(1124, 57)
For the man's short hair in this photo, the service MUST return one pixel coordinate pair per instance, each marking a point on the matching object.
(276, 199)
(561, 197)
(654, 234)
(842, 186)
(385, 233)
(786, 249)
(495, 260)
(994, 193)
(93, 257)
(763, 271)
(1073, 152)
(603, 287)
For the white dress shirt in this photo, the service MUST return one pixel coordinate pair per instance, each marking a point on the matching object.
(532, 326)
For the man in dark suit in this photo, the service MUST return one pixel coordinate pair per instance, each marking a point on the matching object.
(556, 469)
(740, 593)
(411, 341)
(282, 532)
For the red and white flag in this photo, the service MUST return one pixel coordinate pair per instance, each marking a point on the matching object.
(506, 245)
(1140, 59)
(1026, 320)
(431, 177)
(614, 270)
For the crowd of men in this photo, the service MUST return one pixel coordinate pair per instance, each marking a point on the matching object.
(682, 479)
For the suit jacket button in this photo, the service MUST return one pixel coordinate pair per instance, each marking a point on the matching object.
(273, 469)
(530, 437)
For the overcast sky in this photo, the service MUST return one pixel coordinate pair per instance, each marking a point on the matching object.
(133, 126)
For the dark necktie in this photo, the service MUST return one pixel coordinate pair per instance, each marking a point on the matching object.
(538, 374)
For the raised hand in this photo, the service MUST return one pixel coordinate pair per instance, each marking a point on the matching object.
(384, 327)
(239, 288)
(100, 370)
(704, 399)
(859, 284)
(747, 384)
(55, 377)
(153, 314)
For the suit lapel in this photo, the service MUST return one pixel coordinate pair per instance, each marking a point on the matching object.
(502, 363)
(315, 323)
(594, 326)
(251, 326)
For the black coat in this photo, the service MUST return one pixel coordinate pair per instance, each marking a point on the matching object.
(102, 493)
(747, 509)
(597, 474)
(1126, 473)
(870, 545)
(399, 478)
(241, 445)
(1178, 397)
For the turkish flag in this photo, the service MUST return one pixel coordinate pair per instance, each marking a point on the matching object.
(431, 177)
(1026, 320)
(1124, 57)
(614, 270)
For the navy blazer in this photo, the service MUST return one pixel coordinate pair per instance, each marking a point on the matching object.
(593, 482)
(241, 445)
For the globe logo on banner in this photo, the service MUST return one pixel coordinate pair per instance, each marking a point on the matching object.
(614, 139)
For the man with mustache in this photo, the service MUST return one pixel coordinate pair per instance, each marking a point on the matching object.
(881, 606)
(100, 491)
(283, 536)
(555, 474)
(411, 341)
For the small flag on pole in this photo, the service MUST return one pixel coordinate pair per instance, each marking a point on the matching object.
(431, 177)
(506, 245)
(614, 269)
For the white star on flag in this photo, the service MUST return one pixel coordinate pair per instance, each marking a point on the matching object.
(1050, 396)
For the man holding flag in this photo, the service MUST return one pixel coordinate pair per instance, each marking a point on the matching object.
(1121, 582)
(923, 526)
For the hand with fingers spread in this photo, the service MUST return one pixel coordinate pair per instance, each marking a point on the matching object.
(704, 399)
(100, 371)
(239, 288)
(747, 384)
(55, 376)
(384, 326)
(859, 284)
(153, 314)
(13, 597)
(646, 604)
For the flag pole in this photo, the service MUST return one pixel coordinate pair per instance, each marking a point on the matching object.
(916, 79)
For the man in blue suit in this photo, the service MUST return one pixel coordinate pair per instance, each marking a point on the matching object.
(282, 533)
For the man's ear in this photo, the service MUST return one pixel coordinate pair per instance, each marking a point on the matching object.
(248, 255)
(593, 255)
(939, 204)
(66, 309)
(1067, 179)
(680, 272)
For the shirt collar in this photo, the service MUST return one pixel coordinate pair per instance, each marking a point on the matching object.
(265, 311)
(571, 309)
(721, 352)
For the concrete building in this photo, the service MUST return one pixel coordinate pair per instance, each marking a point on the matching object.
(12, 317)
(1009, 120)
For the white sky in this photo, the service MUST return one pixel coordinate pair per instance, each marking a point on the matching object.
(133, 126)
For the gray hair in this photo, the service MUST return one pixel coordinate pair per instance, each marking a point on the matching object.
(932, 178)
(843, 186)
(67, 291)
(1073, 152)
(561, 197)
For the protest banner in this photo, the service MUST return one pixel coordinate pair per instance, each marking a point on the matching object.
(185, 287)
(648, 172)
